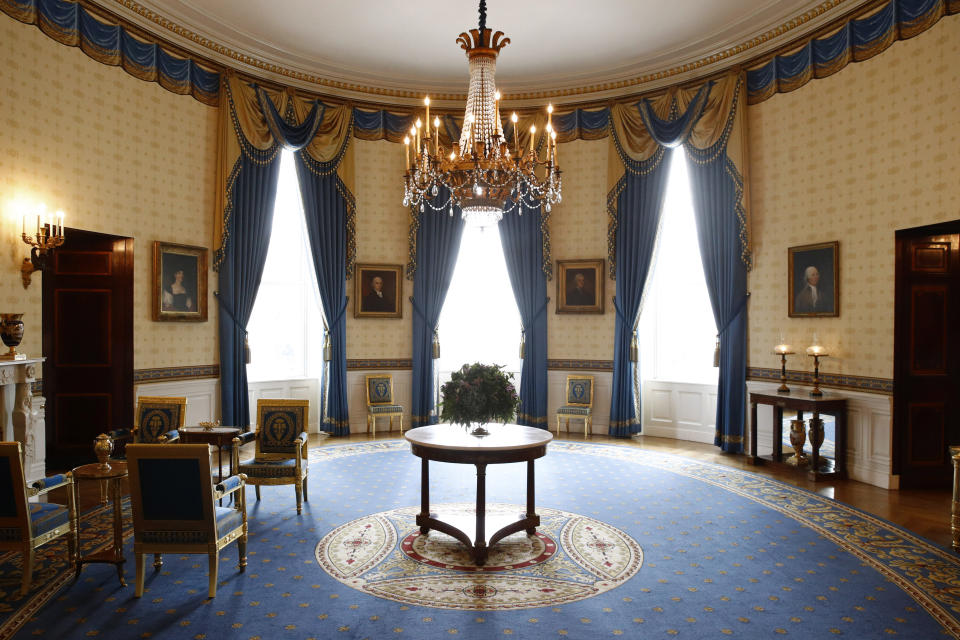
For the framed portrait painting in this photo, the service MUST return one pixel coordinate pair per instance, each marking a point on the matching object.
(580, 286)
(813, 285)
(179, 282)
(378, 291)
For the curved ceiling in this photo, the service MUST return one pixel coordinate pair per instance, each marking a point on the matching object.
(407, 48)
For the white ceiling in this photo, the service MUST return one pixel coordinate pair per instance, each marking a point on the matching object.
(409, 45)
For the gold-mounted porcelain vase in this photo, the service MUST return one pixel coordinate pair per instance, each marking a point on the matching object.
(798, 437)
(11, 332)
(816, 433)
(103, 447)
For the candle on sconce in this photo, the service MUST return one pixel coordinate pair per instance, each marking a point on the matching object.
(426, 102)
(436, 127)
(533, 133)
(419, 126)
(553, 138)
(549, 116)
(406, 142)
(59, 223)
(516, 137)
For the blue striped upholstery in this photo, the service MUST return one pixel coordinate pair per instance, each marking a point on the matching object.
(269, 468)
(45, 517)
(228, 519)
(386, 408)
(573, 411)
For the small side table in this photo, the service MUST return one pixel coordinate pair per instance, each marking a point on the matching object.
(220, 437)
(110, 481)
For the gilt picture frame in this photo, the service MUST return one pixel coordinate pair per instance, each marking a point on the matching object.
(813, 280)
(378, 291)
(580, 285)
(179, 282)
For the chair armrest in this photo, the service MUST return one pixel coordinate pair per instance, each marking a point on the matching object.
(246, 436)
(121, 434)
(229, 485)
(303, 438)
(44, 485)
(172, 436)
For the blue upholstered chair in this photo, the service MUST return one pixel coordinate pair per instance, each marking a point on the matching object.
(157, 420)
(25, 525)
(173, 499)
(380, 401)
(579, 402)
(281, 451)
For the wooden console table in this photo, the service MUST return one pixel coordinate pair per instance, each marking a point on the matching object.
(449, 443)
(800, 401)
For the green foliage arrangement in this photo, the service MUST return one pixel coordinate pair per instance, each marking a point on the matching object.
(479, 393)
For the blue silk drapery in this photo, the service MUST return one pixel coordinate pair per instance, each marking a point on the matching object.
(639, 205)
(522, 242)
(253, 189)
(325, 211)
(438, 245)
(717, 188)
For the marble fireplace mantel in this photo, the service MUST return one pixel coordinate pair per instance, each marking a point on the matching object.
(22, 415)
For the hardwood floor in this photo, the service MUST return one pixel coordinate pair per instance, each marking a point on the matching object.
(924, 512)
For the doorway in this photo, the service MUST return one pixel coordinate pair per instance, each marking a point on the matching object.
(87, 314)
(926, 378)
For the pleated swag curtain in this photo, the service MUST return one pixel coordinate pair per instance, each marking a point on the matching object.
(709, 122)
(254, 124)
(522, 241)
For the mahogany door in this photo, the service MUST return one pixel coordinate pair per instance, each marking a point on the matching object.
(926, 398)
(88, 343)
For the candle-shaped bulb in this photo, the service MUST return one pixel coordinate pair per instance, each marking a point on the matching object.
(452, 155)
(553, 136)
(514, 118)
(496, 96)
(549, 108)
(59, 223)
(426, 101)
(533, 129)
(419, 124)
(406, 140)
(436, 122)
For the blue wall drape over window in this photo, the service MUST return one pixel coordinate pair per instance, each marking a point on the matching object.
(522, 241)
(253, 190)
(438, 244)
(640, 204)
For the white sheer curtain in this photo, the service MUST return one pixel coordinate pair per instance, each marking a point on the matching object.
(286, 328)
(480, 321)
(677, 332)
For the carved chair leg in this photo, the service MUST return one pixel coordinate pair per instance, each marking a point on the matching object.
(401, 424)
(214, 571)
(558, 425)
(391, 425)
(140, 560)
(242, 553)
(568, 424)
(257, 489)
(306, 498)
(28, 559)
(299, 488)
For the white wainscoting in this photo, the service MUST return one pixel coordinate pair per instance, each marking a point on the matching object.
(203, 396)
(869, 433)
(679, 410)
(295, 389)
(357, 398)
(556, 392)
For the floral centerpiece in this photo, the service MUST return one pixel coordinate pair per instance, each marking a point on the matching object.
(477, 394)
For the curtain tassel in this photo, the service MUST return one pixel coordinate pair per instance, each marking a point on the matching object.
(436, 345)
(327, 347)
(246, 350)
(634, 348)
(716, 353)
(523, 344)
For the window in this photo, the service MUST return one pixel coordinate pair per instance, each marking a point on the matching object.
(480, 321)
(286, 327)
(677, 333)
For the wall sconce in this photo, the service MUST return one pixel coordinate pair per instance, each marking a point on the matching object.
(48, 236)
(816, 351)
(783, 350)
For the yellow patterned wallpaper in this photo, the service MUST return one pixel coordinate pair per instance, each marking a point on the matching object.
(578, 230)
(382, 225)
(852, 157)
(119, 156)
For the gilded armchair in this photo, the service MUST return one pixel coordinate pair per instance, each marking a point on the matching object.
(157, 419)
(173, 499)
(26, 525)
(380, 401)
(579, 402)
(281, 447)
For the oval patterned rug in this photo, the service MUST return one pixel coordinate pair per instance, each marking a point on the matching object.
(695, 550)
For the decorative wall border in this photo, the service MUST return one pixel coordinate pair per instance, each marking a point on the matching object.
(165, 374)
(857, 383)
(357, 364)
(580, 365)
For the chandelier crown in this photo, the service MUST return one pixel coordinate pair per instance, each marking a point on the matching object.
(484, 174)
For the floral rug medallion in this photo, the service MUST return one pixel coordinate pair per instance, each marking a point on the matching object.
(570, 558)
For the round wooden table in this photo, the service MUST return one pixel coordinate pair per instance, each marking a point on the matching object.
(450, 443)
(110, 480)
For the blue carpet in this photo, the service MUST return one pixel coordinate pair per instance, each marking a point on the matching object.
(725, 553)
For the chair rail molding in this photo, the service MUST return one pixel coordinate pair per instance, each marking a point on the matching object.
(869, 434)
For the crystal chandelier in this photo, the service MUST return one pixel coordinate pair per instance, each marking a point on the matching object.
(485, 174)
